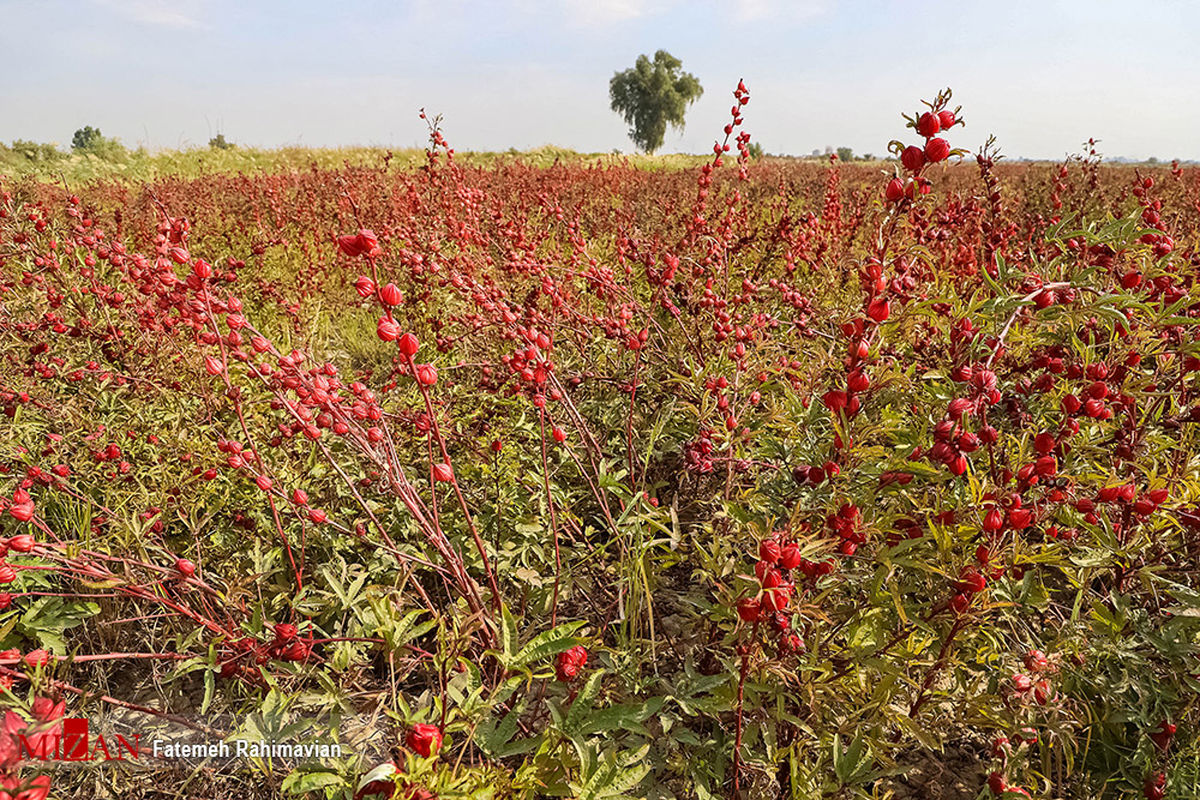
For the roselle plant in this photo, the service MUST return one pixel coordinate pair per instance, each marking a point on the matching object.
(766, 479)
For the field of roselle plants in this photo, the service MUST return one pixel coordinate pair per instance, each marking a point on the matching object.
(770, 479)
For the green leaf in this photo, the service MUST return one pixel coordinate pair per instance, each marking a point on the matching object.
(210, 683)
(626, 716)
(546, 644)
(300, 782)
(611, 780)
(584, 700)
(508, 635)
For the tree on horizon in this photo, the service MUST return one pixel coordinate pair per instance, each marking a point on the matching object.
(651, 95)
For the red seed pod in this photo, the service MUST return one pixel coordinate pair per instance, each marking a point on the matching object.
(387, 329)
(958, 408)
(960, 603)
(912, 158)
(364, 286)
(929, 124)
(789, 557)
(894, 191)
(769, 551)
(1044, 443)
(21, 511)
(367, 242)
(748, 609)
(771, 578)
(937, 150)
(971, 581)
(37, 658)
(409, 345)
(569, 662)
(185, 567)
(424, 739)
(1155, 786)
(835, 400)
(1044, 298)
(426, 375)
(297, 651)
(390, 295)
(777, 598)
(1163, 734)
(791, 643)
(349, 245)
(22, 543)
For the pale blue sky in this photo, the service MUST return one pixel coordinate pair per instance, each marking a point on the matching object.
(1043, 76)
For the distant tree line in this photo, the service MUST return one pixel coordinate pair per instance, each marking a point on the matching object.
(85, 141)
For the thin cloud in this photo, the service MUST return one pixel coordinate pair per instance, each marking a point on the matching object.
(757, 10)
(610, 12)
(159, 13)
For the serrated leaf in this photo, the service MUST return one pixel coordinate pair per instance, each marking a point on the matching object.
(546, 644)
(298, 782)
(508, 635)
(584, 700)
